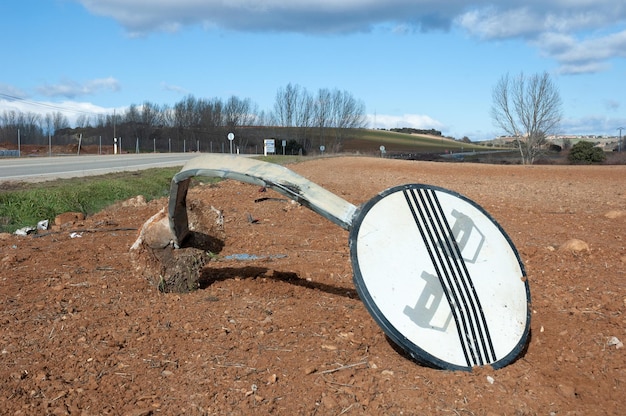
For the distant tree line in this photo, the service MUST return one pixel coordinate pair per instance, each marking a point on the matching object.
(326, 115)
(303, 119)
(409, 130)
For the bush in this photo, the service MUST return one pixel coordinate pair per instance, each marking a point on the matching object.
(554, 148)
(586, 152)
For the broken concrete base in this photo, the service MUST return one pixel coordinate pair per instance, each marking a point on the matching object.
(170, 269)
(173, 269)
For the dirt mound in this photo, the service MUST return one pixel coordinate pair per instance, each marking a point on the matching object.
(277, 326)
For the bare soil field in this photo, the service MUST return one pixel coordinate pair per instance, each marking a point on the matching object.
(284, 332)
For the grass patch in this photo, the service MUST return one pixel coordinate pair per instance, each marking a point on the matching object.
(366, 140)
(25, 204)
(282, 160)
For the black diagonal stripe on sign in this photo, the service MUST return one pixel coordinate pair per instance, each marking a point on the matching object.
(482, 338)
(468, 286)
(442, 242)
(453, 276)
(468, 336)
(444, 278)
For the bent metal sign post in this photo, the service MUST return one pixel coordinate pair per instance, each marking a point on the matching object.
(434, 269)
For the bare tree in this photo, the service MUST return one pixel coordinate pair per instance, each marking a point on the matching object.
(83, 121)
(294, 107)
(30, 125)
(59, 121)
(528, 109)
(47, 123)
(211, 122)
(128, 129)
(285, 106)
(211, 117)
(186, 120)
(239, 112)
(347, 113)
(151, 119)
(323, 112)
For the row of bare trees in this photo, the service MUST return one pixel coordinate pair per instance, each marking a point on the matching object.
(329, 112)
(202, 122)
(34, 127)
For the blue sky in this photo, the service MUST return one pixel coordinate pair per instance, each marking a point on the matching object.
(413, 63)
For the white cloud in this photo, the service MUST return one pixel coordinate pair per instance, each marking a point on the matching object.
(417, 121)
(539, 22)
(73, 89)
(174, 88)
(490, 23)
(596, 124)
(71, 109)
(303, 16)
(570, 49)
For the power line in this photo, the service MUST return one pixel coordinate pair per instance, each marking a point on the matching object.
(45, 105)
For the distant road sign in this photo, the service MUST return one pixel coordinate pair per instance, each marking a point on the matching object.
(269, 146)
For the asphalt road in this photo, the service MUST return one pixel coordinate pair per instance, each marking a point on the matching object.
(44, 168)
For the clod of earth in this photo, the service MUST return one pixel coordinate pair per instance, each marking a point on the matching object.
(173, 268)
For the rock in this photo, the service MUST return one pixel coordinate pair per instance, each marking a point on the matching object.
(574, 245)
(614, 341)
(68, 218)
(155, 233)
(138, 201)
(615, 214)
(566, 390)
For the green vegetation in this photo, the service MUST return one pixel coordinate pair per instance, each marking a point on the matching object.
(586, 153)
(26, 204)
(280, 159)
(367, 140)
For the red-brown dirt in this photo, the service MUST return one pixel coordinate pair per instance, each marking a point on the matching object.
(82, 333)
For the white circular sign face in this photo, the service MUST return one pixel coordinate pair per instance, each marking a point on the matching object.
(322, 148)
(441, 278)
(231, 136)
(382, 148)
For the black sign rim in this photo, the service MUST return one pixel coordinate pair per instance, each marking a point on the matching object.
(414, 351)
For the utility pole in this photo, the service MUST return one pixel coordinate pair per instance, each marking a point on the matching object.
(620, 145)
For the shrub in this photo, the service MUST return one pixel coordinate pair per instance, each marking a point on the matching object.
(554, 148)
(586, 152)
